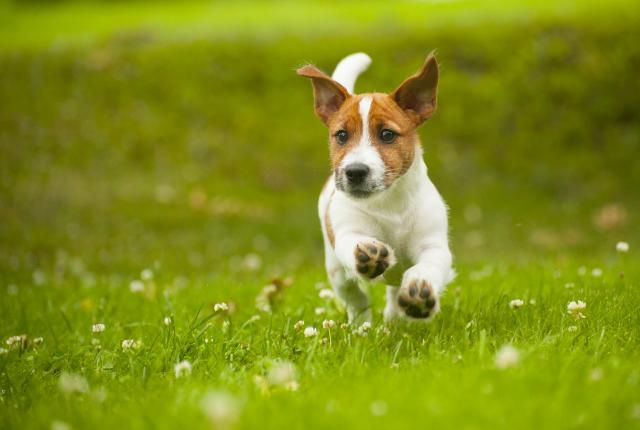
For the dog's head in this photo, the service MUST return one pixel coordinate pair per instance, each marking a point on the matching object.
(372, 136)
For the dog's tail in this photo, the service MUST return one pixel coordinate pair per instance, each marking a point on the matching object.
(349, 68)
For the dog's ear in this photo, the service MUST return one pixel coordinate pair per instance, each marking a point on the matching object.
(417, 94)
(328, 94)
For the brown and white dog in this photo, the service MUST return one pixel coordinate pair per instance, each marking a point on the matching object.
(381, 216)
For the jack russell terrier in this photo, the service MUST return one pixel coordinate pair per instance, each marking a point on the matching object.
(381, 216)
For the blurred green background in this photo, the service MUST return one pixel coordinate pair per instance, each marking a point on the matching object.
(140, 132)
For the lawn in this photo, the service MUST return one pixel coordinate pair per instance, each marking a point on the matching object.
(159, 170)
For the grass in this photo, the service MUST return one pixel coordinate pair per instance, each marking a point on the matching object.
(139, 136)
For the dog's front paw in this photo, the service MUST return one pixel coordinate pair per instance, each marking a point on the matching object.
(373, 258)
(418, 299)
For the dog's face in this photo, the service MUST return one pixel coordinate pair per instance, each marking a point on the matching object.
(372, 137)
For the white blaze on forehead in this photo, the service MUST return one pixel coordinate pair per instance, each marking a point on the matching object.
(364, 151)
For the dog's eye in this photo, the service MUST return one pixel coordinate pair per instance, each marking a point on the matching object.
(341, 137)
(387, 135)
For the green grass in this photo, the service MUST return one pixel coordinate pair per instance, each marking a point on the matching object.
(137, 136)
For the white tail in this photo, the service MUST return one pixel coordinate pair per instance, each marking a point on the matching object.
(349, 68)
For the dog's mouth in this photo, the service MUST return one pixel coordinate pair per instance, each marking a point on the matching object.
(357, 191)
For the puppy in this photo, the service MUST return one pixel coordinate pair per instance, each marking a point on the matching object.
(381, 216)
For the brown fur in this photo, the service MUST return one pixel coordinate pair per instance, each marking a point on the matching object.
(327, 223)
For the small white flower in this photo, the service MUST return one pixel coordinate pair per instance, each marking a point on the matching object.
(98, 328)
(572, 328)
(136, 286)
(146, 275)
(595, 374)
(221, 408)
(575, 309)
(182, 369)
(327, 294)
(4, 351)
(328, 324)
(344, 326)
(596, 272)
(310, 332)
(220, 307)
(622, 247)
(363, 330)
(167, 321)
(299, 325)
(516, 303)
(283, 374)
(129, 344)
(251, 262)
(60, 425)
(378, 408)
(73, 383)
(17, 341)
(320, 311)
(507, 356)
(38, 341)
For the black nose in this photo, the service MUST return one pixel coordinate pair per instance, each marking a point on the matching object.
(356, 172)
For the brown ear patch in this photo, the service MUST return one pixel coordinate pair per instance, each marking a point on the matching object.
(328, 94)
(398, 155)
(417, 95)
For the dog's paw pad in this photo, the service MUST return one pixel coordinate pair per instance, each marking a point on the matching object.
(372, 259)
(418, 300)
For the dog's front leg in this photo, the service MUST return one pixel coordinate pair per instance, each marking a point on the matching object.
(360, 256)
(419, 294)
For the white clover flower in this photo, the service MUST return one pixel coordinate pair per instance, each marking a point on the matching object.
(363, 330)
(4, 351)
(283, 374)
(507, 356)
(378, 408)
(622, 247)
(60, 425)
(220, 307)
(320, 311)
(310, 332)
(222, 409)
(596, 272)
(73, 383)
(167, 321)
(38, 341)
(572, 328)
(136, 286)
(328, 324)
(327, 294)
(182, 369)
(575, 309)
(129, 344)
(516, 303)
(251, 262)
(299, 325)
(146, 275)
(344, 326)
(17, 341)
(98, 328)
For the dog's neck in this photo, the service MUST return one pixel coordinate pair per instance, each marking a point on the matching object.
(399, 196)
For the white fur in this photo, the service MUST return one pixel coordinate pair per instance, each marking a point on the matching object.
(349, 68)
(365, 152)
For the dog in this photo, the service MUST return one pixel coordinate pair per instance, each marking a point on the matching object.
(381, 216)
